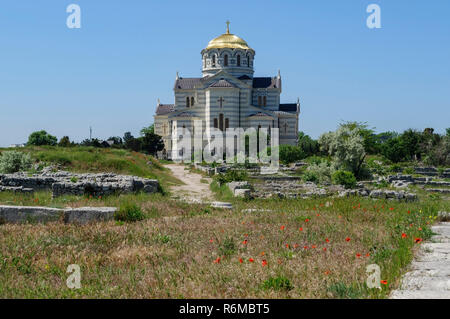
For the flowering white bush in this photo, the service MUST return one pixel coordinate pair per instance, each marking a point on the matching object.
(13, 161)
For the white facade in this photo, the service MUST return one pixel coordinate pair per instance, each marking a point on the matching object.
(228, 96)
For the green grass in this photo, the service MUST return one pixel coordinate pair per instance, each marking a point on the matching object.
(82, 159)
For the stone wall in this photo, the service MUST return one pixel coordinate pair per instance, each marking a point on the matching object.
(62, 183)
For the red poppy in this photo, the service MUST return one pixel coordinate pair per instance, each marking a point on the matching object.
(404, 235)
(211, 240)
(384, 282)
(240, 260)
(264, 262)
(263, 253)
(358, 255)
(313, 246)
(324, 248)
(317, 215)
(327, 240)
(300, 229)
(296, 246)
(287, 245)
(282, 227)
(347, 239)
(245, 235)
(251, 260)
(391, 208)
(217, 260)
(305, 247)
(417, 240)
(327, 272)
(245, 242)
(306, 220)
(420, 228)
(367, 255)
(409, 212)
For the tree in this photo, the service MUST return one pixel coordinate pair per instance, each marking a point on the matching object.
(41, 138)
(411, 140)
(368, 135)
(307, 144)
(127, 137)
(148, 130)
(64, 142)
(290, 154)
(117, 140)
(394, 150)
(151, 143)
(447, 131)
(346, 147)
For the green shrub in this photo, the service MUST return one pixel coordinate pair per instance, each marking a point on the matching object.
(408, 170)
(345, 178)
(129, 212)
(341, 290)
(13, 161)
(290, 154)
(278, 283)
(231, 176)
(318, 172)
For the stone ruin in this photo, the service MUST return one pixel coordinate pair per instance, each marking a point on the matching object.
(67, 183)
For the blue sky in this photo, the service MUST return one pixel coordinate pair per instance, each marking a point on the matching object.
(110, 73)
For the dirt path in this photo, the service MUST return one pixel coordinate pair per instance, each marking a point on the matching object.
(193, 190)
(430, 271)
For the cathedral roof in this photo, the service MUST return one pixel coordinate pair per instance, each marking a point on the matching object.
(187, 83)
(165, 109)
(228, 41)
(266, 83)
(222, 84)
(288, 107)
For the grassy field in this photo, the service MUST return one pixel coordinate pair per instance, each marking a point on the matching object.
(84, 159)
(299, 249)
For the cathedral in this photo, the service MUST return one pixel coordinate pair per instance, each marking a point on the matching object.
(228, 95)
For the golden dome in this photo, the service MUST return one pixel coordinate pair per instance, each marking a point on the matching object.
(229, 41)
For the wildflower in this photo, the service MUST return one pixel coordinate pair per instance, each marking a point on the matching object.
(417, 240)
(358, 255)
(404, 235)
(287, 245)
(296, 245)
(391, 208)
(347, 239)
(384, 282)
(264, 262)
(367, 255)
(263, 253)
(420, 228)
(306, 220)
(245, 242)
(245, 235)
(324, 248)
(317, 215)
(327, 272)
(240, 260)
(300, 229)
(211, 240)
(409, 212)
(251, 260)
(327, 240)
(217, 260)
(305, 247)
(313, 246)
(282, 227)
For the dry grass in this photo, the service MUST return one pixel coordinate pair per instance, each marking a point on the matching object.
(172, 253)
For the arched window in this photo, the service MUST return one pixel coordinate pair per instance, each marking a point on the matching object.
(187, 101)
(227, 122)
(225, 60)
(264, 100)
(259, 101)
(238, 60)
(214, 60)
(215, 123)
(248, 61)
(192, 101)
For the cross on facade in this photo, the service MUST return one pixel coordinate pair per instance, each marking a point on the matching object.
(221, 100)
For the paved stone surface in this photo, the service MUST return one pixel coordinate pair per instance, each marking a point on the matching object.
(430, 271)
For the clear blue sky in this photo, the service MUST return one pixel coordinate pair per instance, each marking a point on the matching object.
(110, 73)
